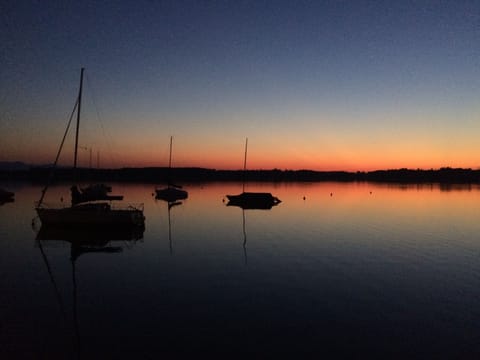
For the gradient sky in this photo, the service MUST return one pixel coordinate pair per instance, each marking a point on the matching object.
(324, 85)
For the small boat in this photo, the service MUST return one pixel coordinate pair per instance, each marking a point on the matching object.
(172, 192)
(252, 200)
(91, 193)
(6, 196)
(84, 211)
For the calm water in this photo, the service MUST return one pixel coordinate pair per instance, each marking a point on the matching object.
(352, 269)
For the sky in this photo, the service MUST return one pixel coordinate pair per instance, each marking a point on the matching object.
(323, 85)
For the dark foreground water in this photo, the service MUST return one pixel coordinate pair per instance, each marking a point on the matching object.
(358, 270)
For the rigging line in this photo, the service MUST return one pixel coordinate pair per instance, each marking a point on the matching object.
(50, 178)
(75, 310)
(107, 139)
(52, 279)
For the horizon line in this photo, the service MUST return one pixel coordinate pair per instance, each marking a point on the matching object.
(27, 166)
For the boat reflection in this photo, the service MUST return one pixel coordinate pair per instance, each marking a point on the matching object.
(87, 240)
(170, 205)
(244, 238)
(251, 201)
(90, 235)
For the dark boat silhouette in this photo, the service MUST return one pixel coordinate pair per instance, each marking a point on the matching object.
(172, 192)
(84, 211)
(92, 192)
(97, 235)
(252, 200)
(6, 196)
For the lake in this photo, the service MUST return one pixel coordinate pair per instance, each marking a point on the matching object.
(334, 270)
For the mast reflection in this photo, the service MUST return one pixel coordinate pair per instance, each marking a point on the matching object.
(170, 204)
(86, 240)
(255, 203)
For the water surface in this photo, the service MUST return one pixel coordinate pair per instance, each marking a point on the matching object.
(335, 269)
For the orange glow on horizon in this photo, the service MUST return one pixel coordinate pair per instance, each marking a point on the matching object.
(224, 155)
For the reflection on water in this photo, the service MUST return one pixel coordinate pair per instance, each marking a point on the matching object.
(170, 205)
(86, 240)
(337, 269)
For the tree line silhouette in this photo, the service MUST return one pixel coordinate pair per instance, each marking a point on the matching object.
(192, 174)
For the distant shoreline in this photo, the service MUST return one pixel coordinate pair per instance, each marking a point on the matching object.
(162, 174)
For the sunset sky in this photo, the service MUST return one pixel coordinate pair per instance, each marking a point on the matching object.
(324, 85)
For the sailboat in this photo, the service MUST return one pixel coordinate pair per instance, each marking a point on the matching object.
(252, 200)
(172, 192)
(84, 212)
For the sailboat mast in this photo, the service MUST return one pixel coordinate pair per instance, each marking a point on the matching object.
(170, 159)
(78, 120)
(245, 165)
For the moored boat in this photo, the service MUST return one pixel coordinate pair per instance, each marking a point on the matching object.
(84, 211)
(6, 196)
(252, 200)
(92, 214)
(172, 192)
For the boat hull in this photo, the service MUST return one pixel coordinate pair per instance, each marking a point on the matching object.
(170, 194)
(253, 200)
(6, 196)
(91, 215)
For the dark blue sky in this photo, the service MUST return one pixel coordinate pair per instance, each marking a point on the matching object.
(322, 84)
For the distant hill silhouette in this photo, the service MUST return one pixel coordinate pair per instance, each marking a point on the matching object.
(13, 166)
(162, 175)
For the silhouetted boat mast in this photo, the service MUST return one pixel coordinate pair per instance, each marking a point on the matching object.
(78, 125)
(172, 192)
(251, 200)
(245, 165)
(89, 213)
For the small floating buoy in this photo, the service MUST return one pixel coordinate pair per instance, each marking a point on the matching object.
(304, 198)
(331, 194)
